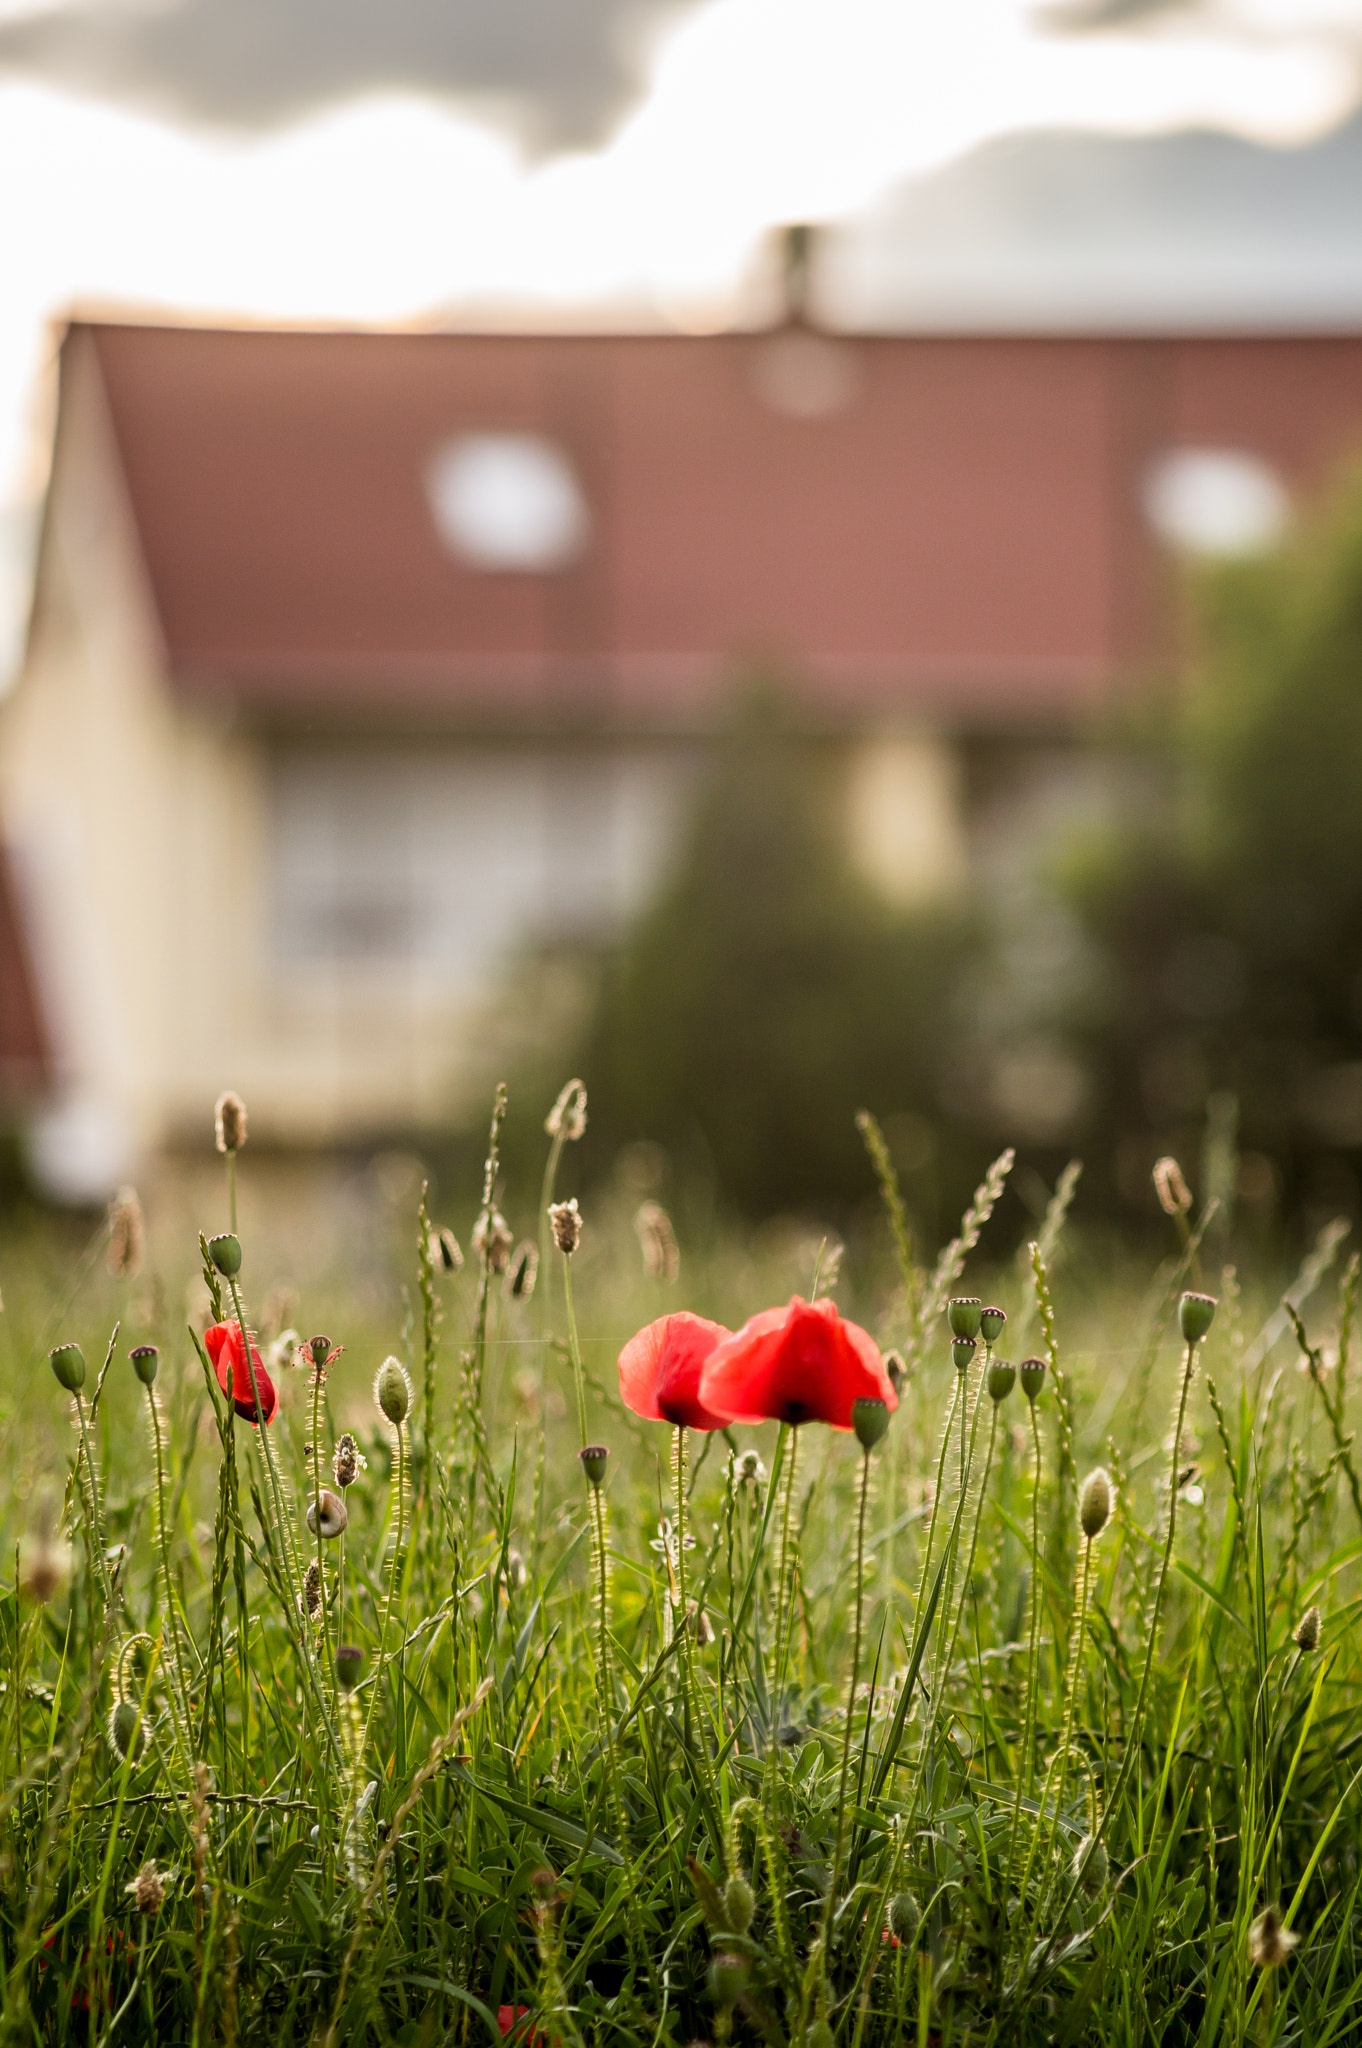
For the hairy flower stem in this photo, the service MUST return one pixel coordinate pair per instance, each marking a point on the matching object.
(786, 1589)
(839, 1848)
(172, 1618)
(231, 1192)
(317, 1371)
(394, 1578)
(945, 1665)
(1026, 1759)
(94, 1521)
(936, 1496)
(1059, 1763)
(694, 1728)
(575, 1350)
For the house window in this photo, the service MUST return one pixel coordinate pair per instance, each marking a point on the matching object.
(444, 860)
(1216, 501)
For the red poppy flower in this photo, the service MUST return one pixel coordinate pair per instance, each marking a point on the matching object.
(224, 1346)
(660, 1370)
(511, 2018)
(803, 1363)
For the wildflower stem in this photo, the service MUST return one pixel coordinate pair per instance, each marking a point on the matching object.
(172, 1618)
(90, 1496)
(575, 1350)
(839, 1849)
(1026, 1759)
(786, 1590)
(1059, 1763)
(936, 1496)
(317, 1370)
(688, 1636)
(394, 1576)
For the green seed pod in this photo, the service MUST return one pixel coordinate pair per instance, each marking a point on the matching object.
(1094, 1503)
(1196, 1313)
(727, 1978)
(1002, 1377)
(1032, 1374)
(68, 1363)
(869, 1419)
(127, 1731)
(1098, 1864)
(965, 1314)
(905, 1917)
(225, 1252)
(349, 1662)
(962, 1351)
(145, 1358)
(392, 1390)
(593, 1462)
(740, 1903)
(319, 1350)
(991, 1322)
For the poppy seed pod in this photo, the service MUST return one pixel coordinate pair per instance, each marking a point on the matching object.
(1306, 1635)
(566, 1223)
(1031, 1372)
(965, 1314)
(392, 1390)
(144, 1359)
(593, 1459)
(727, 1978)
(962, 1351)
(1196, 1313)
(225, 1252)
(740, 1903)
(68, 1363)
(870, 1420)
(330, 1510)
(127, 1731)
(349, 1663)
(319, 1350)
(1092, 1864)
(905, 1917)
(991, 1321)
(1002, 1377)
(1094, 1503)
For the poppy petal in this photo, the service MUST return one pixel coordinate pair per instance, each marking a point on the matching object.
(804, 1363)
(660, 1370)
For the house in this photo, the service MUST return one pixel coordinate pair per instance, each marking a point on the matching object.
(359, 660)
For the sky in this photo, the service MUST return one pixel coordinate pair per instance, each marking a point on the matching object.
(548, 160)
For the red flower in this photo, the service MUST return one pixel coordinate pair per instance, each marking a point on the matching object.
(803, 1363)
(510, 2018)
(660, 1370)
(224, 1346)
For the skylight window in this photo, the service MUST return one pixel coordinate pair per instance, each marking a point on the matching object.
(1216, 501)
(507, 502)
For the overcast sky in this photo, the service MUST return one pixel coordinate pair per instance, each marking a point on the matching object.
(577, 159)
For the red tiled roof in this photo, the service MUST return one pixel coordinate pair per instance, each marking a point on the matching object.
(965, 532)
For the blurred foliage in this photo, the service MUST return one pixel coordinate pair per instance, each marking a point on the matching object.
(1227, 917)
(769, 993)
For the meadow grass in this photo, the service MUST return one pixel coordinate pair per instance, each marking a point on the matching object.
(766, 1735)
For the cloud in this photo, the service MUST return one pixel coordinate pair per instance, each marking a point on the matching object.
(562, 71)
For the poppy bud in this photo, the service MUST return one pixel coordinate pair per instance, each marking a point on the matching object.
(1001, 1379)
(1094, 1503)
(330, 1510)
(68, 1363)
(593, 1462)
(225, 1252)
(1306, 1636)
(905, 1917)
(229, 1122)
(991, 1322)
(869, 1419)
(819, 2035)
(319, 1350)
(126, 1731)
(962, 1351)
(392, 1390)
(1031, 1372)
(1091, 1863)
(349, 1662)
(965, 1314)
(1196, 1313)
(739, 1903)
(566, 1222)
(727, 1979)
(144, 1359)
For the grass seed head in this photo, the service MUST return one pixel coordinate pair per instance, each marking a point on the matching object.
(1175, 1197)
(522, 1272)
(492, 1240)
(147, 1890)
(566, 1222)
(68, 1363)
(748, 1469)
(1196, 1313)
(567, 1118)
(991, 1321)
(346, 1464)
(445, 1250)
(312, 1590)
(1306, 1635)
(657, 1242)
(145, 1359)
(1032, 1372)
(1094, 1503)
(1270, 1943)
(895, 1369)
(229, 1121)
(127, 1235)
(392, 1390)
(965, 1314)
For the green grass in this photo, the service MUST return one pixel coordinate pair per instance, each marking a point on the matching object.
(544, 1794)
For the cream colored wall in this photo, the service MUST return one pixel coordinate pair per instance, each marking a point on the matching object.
(137, 827)
(905, 817)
